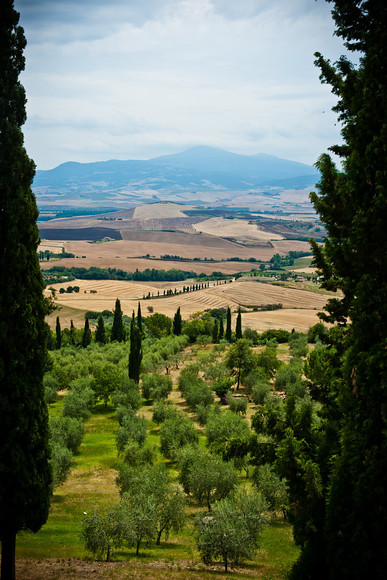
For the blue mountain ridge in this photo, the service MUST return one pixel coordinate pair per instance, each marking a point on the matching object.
(200, 168)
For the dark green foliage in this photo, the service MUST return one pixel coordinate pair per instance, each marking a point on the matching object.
(72, 333)
(279, 335)
(318, 332)
(117, 332)
(350, 518)
(238, 327)
(228, 325)
(200, 323)
(221, 329)
(139, 318)
(215, 332)
(158, 325)
(95, 273)
(135, 352)
(100, 333)
(177, 323)
(251, 335)
(86, 336)
(25, 473)
(58, 334)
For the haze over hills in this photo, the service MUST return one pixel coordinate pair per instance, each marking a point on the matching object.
(200, 173)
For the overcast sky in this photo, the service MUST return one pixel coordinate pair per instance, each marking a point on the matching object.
(133, 79)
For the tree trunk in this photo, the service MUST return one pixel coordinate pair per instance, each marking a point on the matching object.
(8, 546)
(138, 547)
(159, 537)
(225, 564)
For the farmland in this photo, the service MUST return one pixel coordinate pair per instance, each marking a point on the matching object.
(200, 240)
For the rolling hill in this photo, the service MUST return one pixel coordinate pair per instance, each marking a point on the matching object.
(193, 176)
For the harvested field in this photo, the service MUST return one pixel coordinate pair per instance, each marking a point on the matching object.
(235, 228)
(161, 210)
(299, 310)
(157, 244)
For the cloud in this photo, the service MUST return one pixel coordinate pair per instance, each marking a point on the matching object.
(142, 78)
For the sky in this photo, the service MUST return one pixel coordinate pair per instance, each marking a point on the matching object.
(135, 79)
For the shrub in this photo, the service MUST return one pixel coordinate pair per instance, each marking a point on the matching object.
(237, 405)
(156, 386)
(133, 428)
(175, 432)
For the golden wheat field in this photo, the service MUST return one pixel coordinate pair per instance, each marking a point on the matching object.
(299, 310)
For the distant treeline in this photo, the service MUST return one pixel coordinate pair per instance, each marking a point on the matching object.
(57, 272)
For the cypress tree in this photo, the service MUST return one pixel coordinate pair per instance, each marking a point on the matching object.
(238, 328)
(345, 481)
(139, 318)
(135, 352)
(352, 204)
(228, 324)
(100, 333)
(25, 473)
(86, 337)
(215, 331)
(72, 332)
(221, 329)
(58, 334)
(117, 328)
(177, 323)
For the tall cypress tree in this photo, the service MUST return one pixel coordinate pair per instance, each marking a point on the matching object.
(100, 333)
(215, 331)
(344, 480)
(58, 334)
(238, 327)
(86, 336)
(177, 323)
(25, 473)
(117, 328)
(135, 352)
(352, 204)
(221, 329)
(228, 324)
(139, 318)
(72, 332)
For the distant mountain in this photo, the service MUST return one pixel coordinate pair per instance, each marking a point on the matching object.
(182, 175)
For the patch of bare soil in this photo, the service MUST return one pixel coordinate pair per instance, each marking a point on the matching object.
(62, 569)
(69, 569)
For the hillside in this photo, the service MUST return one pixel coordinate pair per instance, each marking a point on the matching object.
(193, 176)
